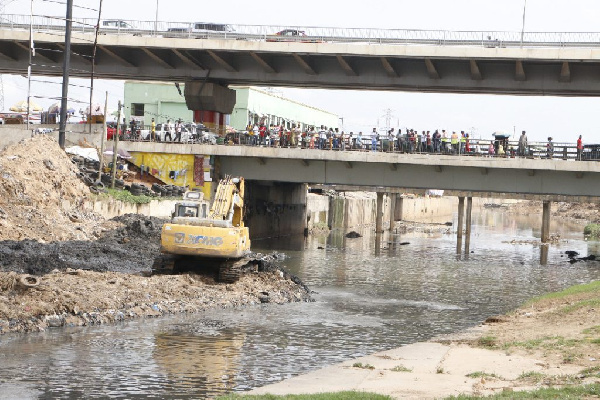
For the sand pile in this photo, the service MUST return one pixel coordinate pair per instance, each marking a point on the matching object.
(41, 194)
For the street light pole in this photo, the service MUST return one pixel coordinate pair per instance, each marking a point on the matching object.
(156, 20)
(522, 26)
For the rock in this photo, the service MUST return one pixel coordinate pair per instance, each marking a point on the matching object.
(353, 235)
(54, 321)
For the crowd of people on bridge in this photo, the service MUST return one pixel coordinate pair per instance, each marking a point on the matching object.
(407, 141)
(391, 140)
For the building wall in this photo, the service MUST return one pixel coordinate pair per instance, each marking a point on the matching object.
(161, 101)
(261, 103)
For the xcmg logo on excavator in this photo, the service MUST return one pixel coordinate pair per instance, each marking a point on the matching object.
(198, 239)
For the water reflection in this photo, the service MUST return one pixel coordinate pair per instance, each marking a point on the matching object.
(370, 298)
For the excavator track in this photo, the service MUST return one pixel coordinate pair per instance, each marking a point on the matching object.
(230, 271)
(164, 265)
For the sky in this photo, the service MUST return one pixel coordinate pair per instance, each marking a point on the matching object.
(563, 118)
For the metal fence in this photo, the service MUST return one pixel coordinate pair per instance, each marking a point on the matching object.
(308, 34)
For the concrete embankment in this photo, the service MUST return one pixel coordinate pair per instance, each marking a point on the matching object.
(352, 210)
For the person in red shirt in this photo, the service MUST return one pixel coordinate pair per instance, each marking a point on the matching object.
(579, 148)
(262, 131)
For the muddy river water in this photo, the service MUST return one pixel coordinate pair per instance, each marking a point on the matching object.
(365, 302)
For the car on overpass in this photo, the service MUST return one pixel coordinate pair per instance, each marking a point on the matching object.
(201, 30)
(112, 25)
(292, 35)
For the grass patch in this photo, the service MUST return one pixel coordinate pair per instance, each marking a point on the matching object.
(569, 392)
(592, 303)
(363, 366)
(590, 372)
(320, 396)
(531, 376)
(487, 341)
(594, 330)
(401, 368)
(592, 230)
(593, 287)
(481, 374)
(127, 197)
(528, 344)
(439, 370)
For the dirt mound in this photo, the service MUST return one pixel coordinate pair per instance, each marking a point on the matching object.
(76, 297)
(579, 212)
(41, 194)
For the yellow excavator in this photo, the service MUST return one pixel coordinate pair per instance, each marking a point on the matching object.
(196, 239)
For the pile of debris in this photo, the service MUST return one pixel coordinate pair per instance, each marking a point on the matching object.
(41, 195)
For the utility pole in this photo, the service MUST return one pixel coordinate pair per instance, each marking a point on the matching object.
(388, 118)
(104, 132)
(94, 67)
(31, 54)
(523, 26)
(115, 149)
(65, 83)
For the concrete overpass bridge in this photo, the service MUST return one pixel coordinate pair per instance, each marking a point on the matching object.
(283, 173)
(544, 179)
(563, 64)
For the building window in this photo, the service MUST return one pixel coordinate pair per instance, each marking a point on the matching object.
(137, 109)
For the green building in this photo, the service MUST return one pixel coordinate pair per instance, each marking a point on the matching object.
(163, 101)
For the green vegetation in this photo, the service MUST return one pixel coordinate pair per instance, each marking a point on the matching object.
(363, 366)
(127, 197)
(401, 368)
(570, 392)
(594, 330)
(481, 374)
(439, 370)
(573, 290)
(592, 230)
(590, 372)
(531, 376)
(319, 396)
(486, 341)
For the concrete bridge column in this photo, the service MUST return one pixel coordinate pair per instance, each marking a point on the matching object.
(399, 209)
(546, 222)
(468, 225)
(379, 213)
(275, 209)
(392, 197)
(459, 227)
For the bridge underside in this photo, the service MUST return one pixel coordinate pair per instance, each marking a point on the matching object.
(562, 72)
(457, 180)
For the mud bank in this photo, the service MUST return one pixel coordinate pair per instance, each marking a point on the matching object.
(83, 298)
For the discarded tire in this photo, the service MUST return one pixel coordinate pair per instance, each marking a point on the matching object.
(29, 281)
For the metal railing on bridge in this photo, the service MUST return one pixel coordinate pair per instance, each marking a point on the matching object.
(307, 34)
(476, 147)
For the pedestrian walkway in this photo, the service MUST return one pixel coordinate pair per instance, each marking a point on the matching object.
(426, 370)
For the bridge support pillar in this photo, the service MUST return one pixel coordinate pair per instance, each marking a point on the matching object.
(399, 211)
(275, 209)
(392, 197)
(468, 225)
(546, 222)
(379, 213)
(459, 225)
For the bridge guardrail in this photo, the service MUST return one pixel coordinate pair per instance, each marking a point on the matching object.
(316, 34)
(534, 150)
